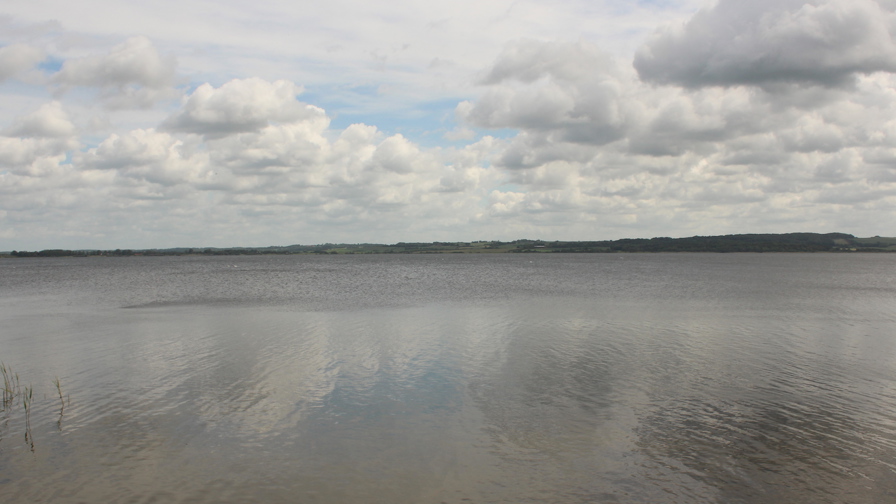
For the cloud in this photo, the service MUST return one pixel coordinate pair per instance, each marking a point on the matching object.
(151, 157)
(777, 116)
(773, 42)
(732, 149)
(570, 89)
(674, 122)
(17, 58)
(49, 121)
(132, 74)
(37, 143)
(33, 157)
(241, 105)
(250, 147)
(396, 154)
(458, 134)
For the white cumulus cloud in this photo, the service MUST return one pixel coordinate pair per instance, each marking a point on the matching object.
(738, 150)
(769, 42)
(240, 105)
(49, 121)
(571, 89)
(132, 74)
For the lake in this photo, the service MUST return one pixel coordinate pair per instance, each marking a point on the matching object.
(511, 378)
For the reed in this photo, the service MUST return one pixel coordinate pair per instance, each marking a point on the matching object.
(26, 403)
(58, 385)
(13, 394)
(11, 386)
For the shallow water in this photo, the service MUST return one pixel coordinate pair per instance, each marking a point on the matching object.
(452, 378)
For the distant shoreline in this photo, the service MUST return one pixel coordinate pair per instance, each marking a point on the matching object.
(786, 242)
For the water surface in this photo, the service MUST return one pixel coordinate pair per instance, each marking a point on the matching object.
(667, 378)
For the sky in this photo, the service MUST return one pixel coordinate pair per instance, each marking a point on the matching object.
(229, 123)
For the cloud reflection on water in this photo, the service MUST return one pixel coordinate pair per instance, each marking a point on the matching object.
(657, 378)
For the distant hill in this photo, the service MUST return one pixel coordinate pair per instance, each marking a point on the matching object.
(788, 242)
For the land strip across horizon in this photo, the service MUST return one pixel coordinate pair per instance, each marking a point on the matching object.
(786, 242)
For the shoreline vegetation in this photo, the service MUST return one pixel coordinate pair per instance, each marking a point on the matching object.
(788, 242)
(15, 394)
